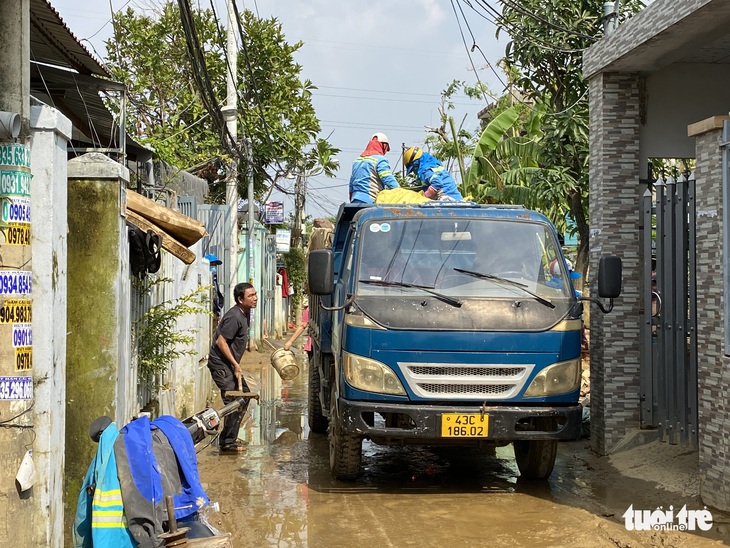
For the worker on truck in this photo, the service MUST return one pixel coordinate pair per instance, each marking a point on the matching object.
(371, 171)
(437, 183)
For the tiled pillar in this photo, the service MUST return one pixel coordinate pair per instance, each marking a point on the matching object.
(712, 375)
(614, 221)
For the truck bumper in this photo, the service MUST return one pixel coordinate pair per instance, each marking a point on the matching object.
(422, 424)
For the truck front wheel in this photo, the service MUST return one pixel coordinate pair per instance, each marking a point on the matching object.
(345, 447)
(317, 421)
(535, 458)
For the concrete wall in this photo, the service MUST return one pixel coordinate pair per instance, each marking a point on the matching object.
(713, 376)
(673, 98)
(98, 349)
(50, 134)
(614, 213)
(38, 423)
(641, 101)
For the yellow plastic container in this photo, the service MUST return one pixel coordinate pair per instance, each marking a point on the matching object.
(285, 364)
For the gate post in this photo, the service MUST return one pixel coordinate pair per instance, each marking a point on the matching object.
(712, 280)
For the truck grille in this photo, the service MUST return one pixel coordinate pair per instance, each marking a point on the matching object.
(466, 381)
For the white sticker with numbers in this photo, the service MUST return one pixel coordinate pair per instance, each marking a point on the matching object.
(15, 210)
(16, 388)
(22, 334)
(16, 282)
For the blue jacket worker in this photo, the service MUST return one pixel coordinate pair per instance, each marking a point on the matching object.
(371, 172)
(438, 184)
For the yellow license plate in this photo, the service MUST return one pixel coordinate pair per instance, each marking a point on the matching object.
(464, 425)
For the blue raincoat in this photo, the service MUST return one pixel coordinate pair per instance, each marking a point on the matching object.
(430, 172)
(100, 517)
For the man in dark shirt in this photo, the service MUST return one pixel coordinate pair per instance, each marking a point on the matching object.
(229, 343)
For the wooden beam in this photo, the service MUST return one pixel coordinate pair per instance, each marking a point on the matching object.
(185, 229)
(168, 242)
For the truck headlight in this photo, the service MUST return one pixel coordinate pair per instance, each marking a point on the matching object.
(371, 375)
(559, 378)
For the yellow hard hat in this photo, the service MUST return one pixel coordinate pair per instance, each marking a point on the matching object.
(411, 155)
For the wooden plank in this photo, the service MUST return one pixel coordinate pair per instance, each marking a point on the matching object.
(181, 227)
(211, 542)
(168, 242)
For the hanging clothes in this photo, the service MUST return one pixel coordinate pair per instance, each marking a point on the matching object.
(100, 519)
(284, 283)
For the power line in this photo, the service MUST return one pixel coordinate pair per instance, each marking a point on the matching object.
(202, 78)
(501, 23)
(474, 45)
(386, 99)
(347, 124)
(546, 22)
(409, 93)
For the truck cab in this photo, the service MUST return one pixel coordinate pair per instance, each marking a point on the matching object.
(445, 324)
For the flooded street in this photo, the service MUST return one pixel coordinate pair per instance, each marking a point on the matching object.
(280, 491)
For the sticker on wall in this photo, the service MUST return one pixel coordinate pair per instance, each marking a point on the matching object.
(16, 311)
(16, 282)
(16, 183)
(14, 154)
(15, 210)
(16, 388)
(22, 334)
(16, 234)
(24, 358)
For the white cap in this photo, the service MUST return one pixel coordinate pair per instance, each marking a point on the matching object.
(381, 137)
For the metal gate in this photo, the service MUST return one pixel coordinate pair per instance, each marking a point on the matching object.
(668, 371)
(218, 242)
(268, 283)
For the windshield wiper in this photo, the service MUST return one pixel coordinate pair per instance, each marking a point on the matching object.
(521, 286)
(427, 289)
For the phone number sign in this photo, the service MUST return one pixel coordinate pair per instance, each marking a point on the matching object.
(16, 388)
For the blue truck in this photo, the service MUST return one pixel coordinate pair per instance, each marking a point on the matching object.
(446, 323)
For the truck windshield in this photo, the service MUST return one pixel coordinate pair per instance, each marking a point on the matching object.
(462, 259)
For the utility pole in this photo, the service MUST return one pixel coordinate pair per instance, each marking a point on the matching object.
(300, 190)
(231, 115)
(18, 395)
(230, 112)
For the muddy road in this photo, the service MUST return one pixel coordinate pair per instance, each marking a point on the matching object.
(280, 492)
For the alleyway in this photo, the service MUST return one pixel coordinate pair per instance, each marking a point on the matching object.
(280, 492)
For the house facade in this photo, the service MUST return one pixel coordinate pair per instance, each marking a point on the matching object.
(659, 90)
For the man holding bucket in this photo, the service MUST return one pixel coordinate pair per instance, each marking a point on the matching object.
(229, 343)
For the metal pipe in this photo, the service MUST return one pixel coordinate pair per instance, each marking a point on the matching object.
(610, 17)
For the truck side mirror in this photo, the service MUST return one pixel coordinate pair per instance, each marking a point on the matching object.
(609, 281)
(321, 272)
(609, 277)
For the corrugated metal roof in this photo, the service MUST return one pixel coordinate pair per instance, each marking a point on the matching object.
(77, 96)
(52, 42)
(64, 74)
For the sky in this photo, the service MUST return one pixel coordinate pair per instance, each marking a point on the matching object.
(378, 65)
